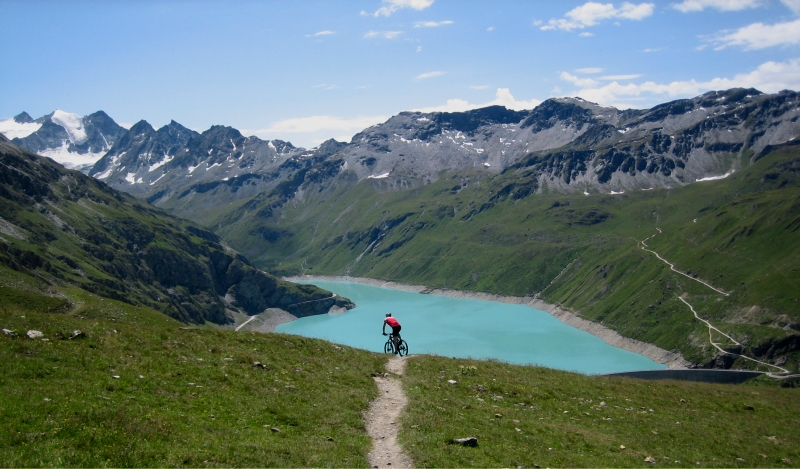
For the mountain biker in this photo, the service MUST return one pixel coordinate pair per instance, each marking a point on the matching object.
(392, 322)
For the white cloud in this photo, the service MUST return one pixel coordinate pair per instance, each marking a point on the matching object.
(383, 34)
(589, 70)
(419, 48)
(759, 36)
(325, 86)
(793, 5)
(654, 49)
(479, 87)
(428, 75)
(310, 131)
(585, 34)
(769, 77)
(391, 6)
(577, 81)
(324, 33)
(620, 77)
(687, 6)
(592, 13)
(503, 97)
(431, 24)
(490, 29)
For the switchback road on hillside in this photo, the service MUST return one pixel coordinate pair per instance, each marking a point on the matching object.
(708, 324)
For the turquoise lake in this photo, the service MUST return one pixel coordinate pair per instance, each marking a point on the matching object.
(456, 327)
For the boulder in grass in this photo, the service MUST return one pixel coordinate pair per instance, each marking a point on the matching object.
(469, 441)
(32, 334)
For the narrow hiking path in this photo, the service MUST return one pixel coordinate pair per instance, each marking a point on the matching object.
(708, 324)
(382, 419)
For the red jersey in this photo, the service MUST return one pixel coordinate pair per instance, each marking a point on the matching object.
(391, 322)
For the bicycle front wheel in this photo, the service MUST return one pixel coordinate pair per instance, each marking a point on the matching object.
(403, 348)
(387, 348)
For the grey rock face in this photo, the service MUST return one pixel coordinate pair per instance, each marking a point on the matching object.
(23, 118)
(564, 144)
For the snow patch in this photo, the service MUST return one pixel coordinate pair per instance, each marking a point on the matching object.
(585, 193)
(381, 176)
(161, 163)
(105, 173)
(72, 123)
(13, 129)
(68, 159)
(192, 168)
(131, 178)
(617, 193)
(159, 178)
(715, 178)
(486, 164)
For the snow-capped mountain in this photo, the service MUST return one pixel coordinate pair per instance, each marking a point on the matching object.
(74, 141)
(565, 144)
(165, 164)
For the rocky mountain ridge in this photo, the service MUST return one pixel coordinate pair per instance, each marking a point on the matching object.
(68, 229)
(565, 144)
(75, 142)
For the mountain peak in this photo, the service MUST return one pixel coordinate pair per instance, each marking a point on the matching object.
(23, 118)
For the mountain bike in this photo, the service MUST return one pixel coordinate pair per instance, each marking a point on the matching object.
(402, 347)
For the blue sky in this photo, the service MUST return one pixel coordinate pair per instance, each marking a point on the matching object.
(305, 71)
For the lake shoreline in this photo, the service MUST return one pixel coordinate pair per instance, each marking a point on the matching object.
(671, 359)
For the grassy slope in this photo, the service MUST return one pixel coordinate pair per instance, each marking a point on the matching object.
(466, 232)
(553, 418)
(199, 401)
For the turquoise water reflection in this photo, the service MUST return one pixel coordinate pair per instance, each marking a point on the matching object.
(457, 327)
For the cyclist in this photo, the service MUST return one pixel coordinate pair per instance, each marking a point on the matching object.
(392, 322)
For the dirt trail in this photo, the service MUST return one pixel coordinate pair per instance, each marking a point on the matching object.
(382, 419)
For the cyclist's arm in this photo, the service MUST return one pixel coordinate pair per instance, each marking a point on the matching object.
(383, 330)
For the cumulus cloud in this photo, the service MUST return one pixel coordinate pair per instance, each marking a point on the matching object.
(383, 34)
(592, 13)
(503, 97)
(759, 36)
(687, 6)
(423, 76)
(769, 77)
(391, 6)
(431, 24)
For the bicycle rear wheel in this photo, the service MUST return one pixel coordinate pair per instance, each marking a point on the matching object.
(403, 348)
(388, 348)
